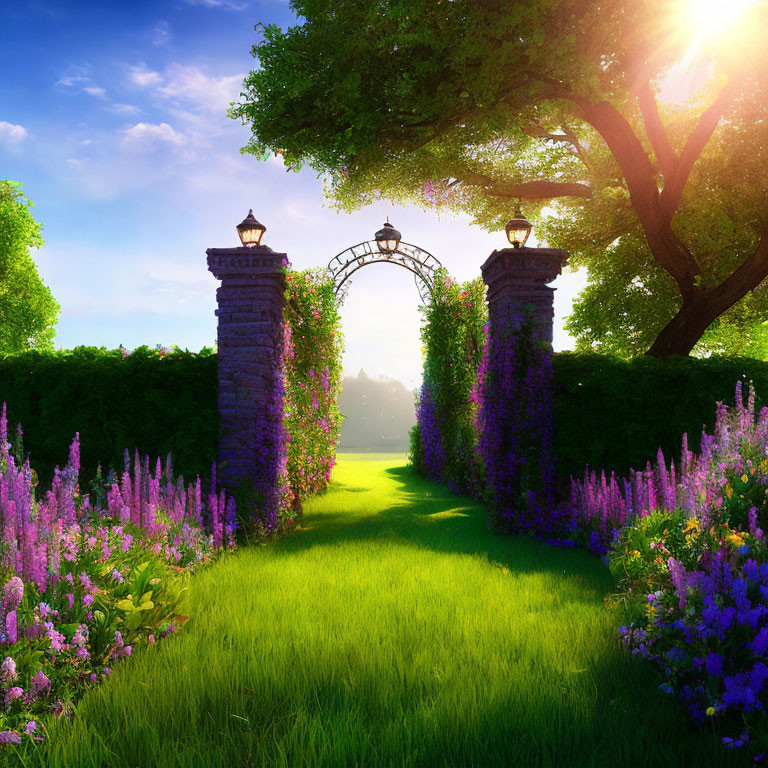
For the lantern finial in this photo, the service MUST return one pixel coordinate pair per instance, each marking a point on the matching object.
(250, 230)
(388, 239)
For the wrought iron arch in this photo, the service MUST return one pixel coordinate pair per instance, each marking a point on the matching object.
(416, 260)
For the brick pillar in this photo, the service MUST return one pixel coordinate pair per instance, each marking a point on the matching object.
(250, 335)
(516, 413)
(518, 276)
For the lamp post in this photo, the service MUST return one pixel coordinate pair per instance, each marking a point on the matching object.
(250, 302)
(517, 277)
(388, 239)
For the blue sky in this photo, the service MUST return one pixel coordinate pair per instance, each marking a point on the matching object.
(113, 116)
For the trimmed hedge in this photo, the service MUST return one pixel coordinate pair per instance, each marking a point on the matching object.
(609, 413)
(150, 401)
(614, 414)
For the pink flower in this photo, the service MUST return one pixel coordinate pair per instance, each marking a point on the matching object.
(11, 627)
(87, 600)
(9, 737)
(13, 693)
(40, 683)
(13, 592)
(8, 670)
(70, 600)
(31, 727)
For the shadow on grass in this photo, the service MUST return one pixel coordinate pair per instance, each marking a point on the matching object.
(428, 515)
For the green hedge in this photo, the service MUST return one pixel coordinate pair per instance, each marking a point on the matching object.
(146, 400)
(609, 413)
(615, 414)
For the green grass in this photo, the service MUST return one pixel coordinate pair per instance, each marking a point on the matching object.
(392, 629)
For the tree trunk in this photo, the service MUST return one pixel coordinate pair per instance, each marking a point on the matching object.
(680, 335)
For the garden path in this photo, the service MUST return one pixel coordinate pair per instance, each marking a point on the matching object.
(390, 629)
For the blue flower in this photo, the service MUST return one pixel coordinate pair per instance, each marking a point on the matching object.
(714, 664)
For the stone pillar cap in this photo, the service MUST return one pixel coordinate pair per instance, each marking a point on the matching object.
(537, 264)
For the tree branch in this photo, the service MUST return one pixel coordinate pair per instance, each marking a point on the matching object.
(655, 131)
(566, 137)
(527, 190)
(701, 134)
(748, 275)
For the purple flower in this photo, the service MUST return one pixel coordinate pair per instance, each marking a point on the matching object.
(9, 737)
(8, 670)
(40, 683)
(87, 600)
(11, 627)
(13, 693)
(31, 727)
(13, 592)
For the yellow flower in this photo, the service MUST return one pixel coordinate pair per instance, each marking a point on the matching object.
(692, 525)
(728, 490)
(736, 539)
(711, 711)
(744, 478)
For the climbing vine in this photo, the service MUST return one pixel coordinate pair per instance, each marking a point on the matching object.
(313, 347)
(514, 426)
(444, 441)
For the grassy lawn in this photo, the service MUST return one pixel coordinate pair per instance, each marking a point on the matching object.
(391, 629)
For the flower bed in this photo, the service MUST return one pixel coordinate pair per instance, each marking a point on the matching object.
(86, 580)
(688, 549)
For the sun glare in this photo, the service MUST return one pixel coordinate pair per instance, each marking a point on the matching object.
(708, 21)
(708, 17)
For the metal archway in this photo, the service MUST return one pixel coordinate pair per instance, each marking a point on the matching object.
(416, 260)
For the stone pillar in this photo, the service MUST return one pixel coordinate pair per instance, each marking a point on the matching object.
(518, 276)
(250, 338)
(517, 434)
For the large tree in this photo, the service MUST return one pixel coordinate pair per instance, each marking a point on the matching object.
(28, 311)
(479, 103)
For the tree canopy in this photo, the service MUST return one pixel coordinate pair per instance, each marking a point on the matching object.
(476, 104)
(28, 311)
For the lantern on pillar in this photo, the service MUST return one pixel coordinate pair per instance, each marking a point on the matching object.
(518, 229)
(388, 239)
(250, 230)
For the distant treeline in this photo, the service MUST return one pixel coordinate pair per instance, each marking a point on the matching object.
(378, 414)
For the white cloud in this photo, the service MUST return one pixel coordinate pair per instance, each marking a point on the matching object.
(231, 4)
(147, 133)
(196, 89)
(161, 33)
(144, 77)
(11, 133)
(123, 109)
(68, 81)
(94, 90)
